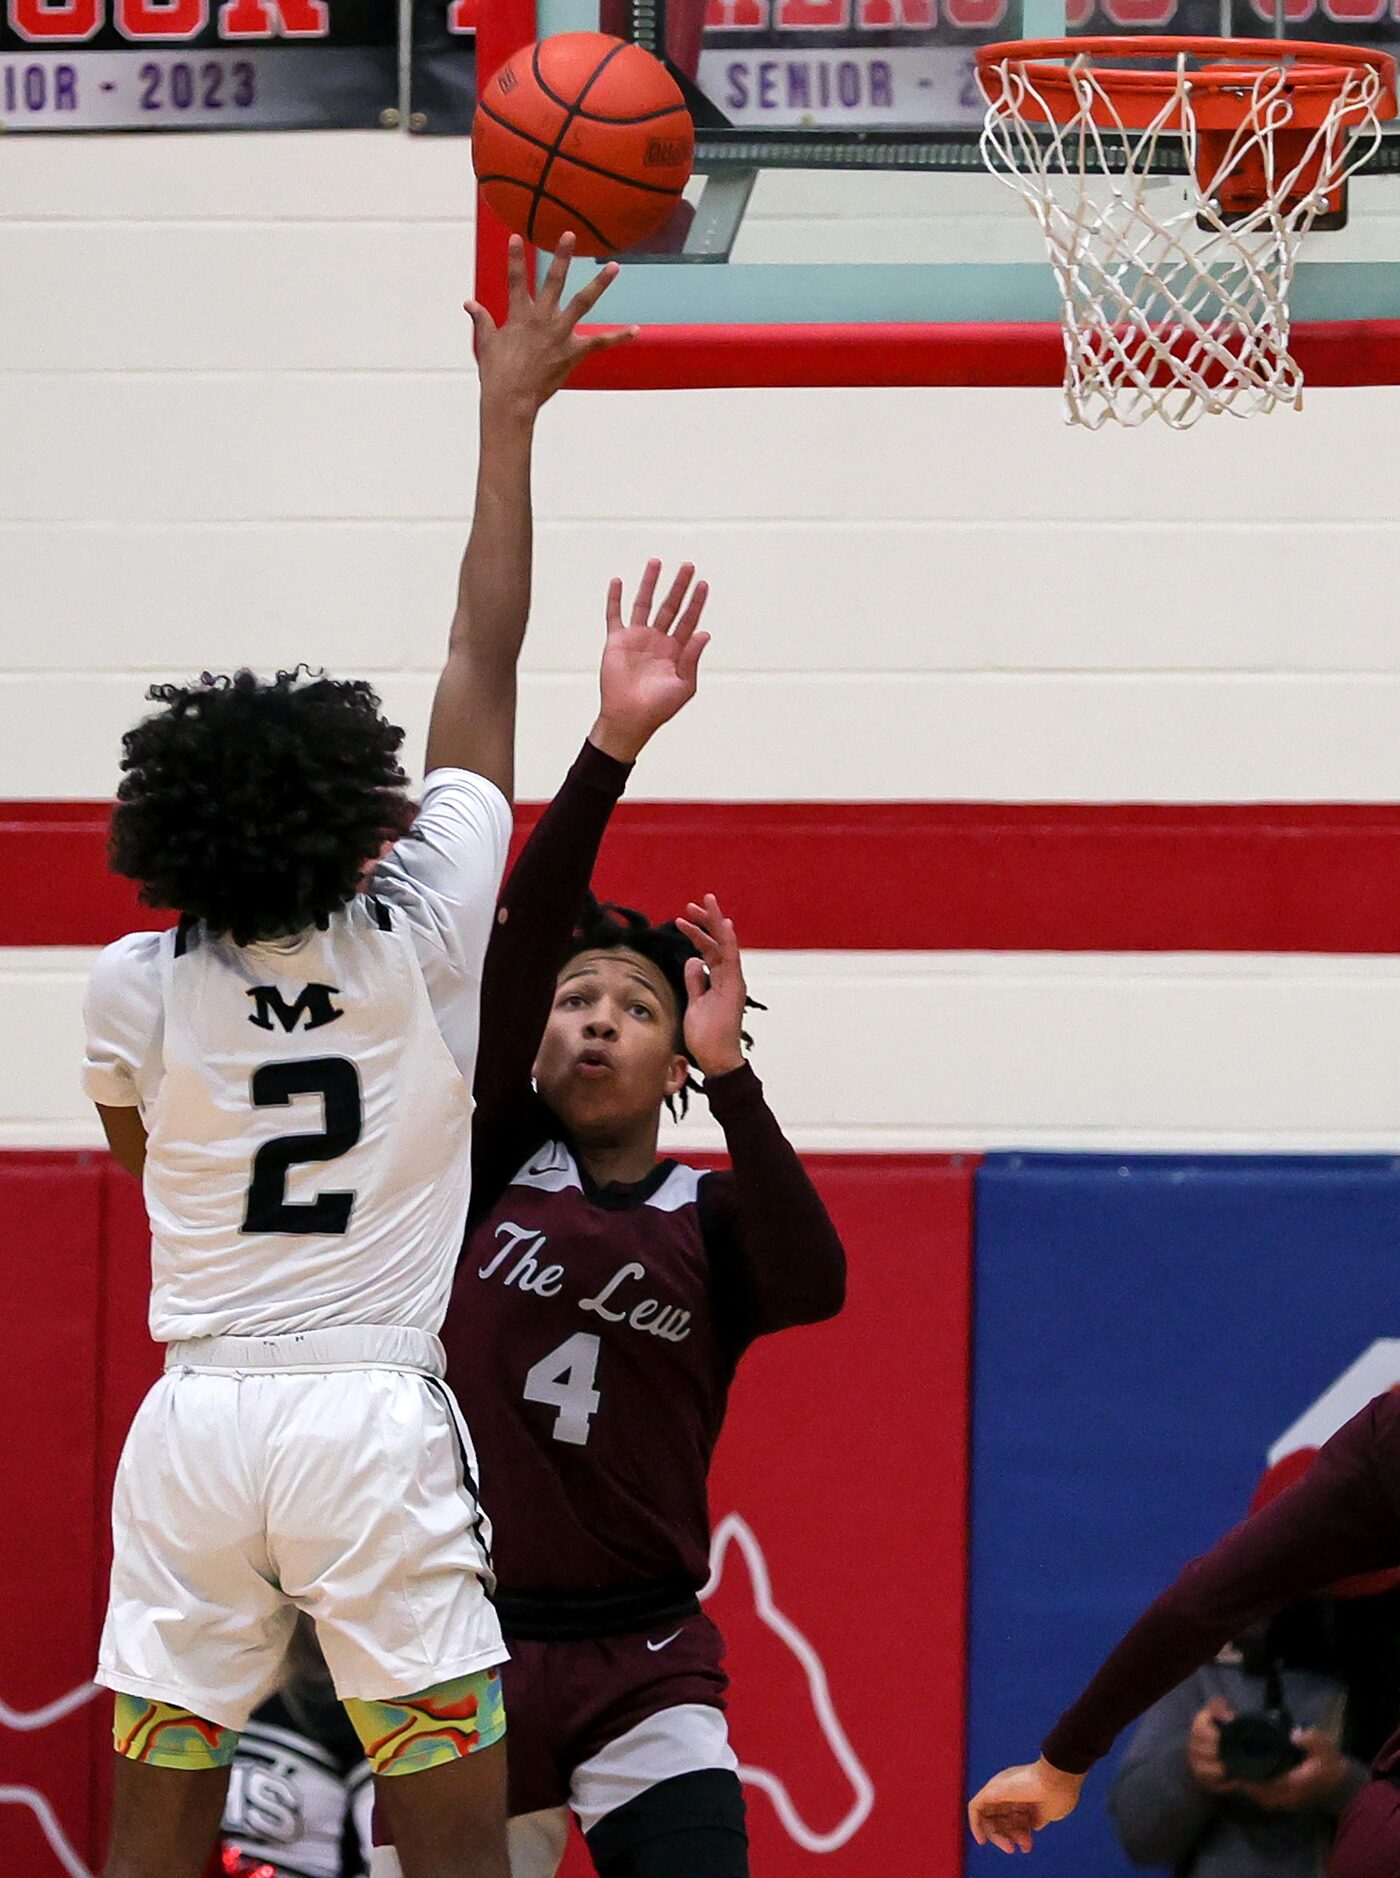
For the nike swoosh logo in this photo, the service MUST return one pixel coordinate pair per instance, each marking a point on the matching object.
(664, 1641)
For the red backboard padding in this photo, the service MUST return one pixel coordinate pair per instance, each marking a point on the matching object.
(845, 1458)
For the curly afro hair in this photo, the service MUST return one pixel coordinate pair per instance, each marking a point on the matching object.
(253, 804)
(606, 927)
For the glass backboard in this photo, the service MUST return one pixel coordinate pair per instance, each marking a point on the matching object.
(841, 228)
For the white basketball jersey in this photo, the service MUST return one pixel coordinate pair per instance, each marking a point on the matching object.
(308, 1126)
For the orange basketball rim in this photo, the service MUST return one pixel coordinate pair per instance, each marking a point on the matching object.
(1289, 88)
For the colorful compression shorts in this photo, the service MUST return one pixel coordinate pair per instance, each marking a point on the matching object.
(409, 1734)
(159, 1735)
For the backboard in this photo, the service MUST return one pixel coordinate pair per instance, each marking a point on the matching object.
(841, 228)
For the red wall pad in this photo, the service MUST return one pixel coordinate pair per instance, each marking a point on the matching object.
(841, 1488)
(75, 1360)
(50, 1329)
(839, 1496)
(893, 876)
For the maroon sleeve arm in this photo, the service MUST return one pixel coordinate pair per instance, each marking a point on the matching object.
(539, 908)
(765, 1222)
(1339, 1520)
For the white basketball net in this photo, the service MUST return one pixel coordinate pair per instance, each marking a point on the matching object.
(1168, 309)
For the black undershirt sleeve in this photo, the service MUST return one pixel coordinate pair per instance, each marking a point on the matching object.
(1339, 1520)
(776, 1256)
(539, 908)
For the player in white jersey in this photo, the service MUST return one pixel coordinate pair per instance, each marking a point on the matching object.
(290, 1070)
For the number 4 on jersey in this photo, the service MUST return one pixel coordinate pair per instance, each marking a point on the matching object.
(563, 1380)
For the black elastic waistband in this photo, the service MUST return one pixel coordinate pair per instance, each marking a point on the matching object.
(570, 1616)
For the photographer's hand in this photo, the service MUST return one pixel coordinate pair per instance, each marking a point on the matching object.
(1203, 1747)
(1311, 1784)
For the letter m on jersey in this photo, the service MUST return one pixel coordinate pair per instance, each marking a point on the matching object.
(314, 1004)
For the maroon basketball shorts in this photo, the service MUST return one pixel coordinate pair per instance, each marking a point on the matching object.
(594, 1722)
(1368, 1840)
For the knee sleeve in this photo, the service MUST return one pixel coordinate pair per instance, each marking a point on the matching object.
(157, 1734)
(408, 1734)
(689, 1827)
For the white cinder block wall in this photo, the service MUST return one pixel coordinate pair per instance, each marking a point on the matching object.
(236, 408)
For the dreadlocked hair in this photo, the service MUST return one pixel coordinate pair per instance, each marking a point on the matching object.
(607, 927)
(253, 804)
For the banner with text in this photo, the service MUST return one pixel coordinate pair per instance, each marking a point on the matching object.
(70, 65)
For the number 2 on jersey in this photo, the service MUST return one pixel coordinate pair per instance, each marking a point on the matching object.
(273, 1085)
(563, 1380)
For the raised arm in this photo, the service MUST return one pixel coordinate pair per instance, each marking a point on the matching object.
(1337, 1521)
(521, 364)
(649, 672)
(782, 1260)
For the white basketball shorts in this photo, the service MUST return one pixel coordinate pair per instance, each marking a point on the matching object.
(296, 1478)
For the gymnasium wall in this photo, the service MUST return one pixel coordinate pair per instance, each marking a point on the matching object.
(235, 392)
(952, 641)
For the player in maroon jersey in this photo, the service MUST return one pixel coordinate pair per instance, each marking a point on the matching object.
(1340, 1520)
(603, 1301)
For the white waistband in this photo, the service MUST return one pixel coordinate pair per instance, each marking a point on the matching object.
(339, 1346)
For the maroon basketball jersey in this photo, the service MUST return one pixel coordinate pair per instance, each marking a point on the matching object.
(590, 1345)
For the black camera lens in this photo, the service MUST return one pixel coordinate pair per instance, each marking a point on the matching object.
(1258, 1747)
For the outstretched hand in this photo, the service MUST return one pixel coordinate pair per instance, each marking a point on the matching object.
(526, 360)
(650, 665)
(714, 988)
(1017, 1802)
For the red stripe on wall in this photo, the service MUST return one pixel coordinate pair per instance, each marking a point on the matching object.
(892, 876)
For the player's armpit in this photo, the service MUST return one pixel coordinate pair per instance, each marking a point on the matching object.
(126, 1137)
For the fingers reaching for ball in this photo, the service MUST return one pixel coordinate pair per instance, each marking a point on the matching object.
(524, 361)
(551, 289)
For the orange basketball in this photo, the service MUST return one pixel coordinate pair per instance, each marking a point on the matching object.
(584, 132)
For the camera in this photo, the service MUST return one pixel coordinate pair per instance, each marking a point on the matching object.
(1259, 1746)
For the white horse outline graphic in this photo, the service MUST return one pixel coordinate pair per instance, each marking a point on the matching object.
(733, 1530)
(30, 1721)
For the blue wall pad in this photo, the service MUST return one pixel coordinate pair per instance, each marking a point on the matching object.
(1146, 1327)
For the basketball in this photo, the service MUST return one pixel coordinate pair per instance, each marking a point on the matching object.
(584, 132)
